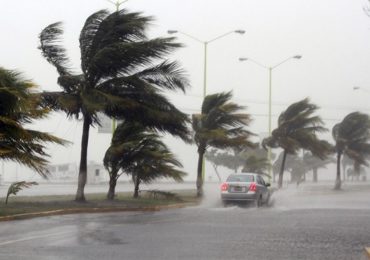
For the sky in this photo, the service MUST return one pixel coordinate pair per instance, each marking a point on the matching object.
(331, 35)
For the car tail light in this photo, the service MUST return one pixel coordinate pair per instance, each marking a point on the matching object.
(253, 187)
(224, 186)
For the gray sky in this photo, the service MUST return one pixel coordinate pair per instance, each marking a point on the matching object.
(332, 35)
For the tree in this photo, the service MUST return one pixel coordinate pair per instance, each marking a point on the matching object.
(313, 163)
(219, 125)
(122, 75)
(214, 158)
(256, 164)
(20, 106)
(139, 152)
(297, 129)
(351, 138)
(255, 160)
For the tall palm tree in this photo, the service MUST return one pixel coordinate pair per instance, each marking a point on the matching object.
(351, 138)
(221, 125)
(122, 75)
(20, 105)
(297, 129)
(139, 152)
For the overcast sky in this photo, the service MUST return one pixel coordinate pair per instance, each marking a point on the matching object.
(333, 37)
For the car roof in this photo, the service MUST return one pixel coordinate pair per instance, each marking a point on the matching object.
(245, 173)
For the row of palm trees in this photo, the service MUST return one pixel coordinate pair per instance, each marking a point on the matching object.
(124, 75)
(298, 128)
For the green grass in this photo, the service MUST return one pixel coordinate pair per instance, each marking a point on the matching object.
(21, 205)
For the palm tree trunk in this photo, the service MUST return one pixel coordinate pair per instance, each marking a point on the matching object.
(281, 173)
(315, 175)
(82, 176)
(199, 173)
(112, 184)
(137, 183)
(338, 182)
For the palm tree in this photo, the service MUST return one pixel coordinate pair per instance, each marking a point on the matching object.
(219, 125)
(256, 164)
(139, 152)
(297, 129)
(313, 163)
(255, 160)
(20, 105)
(122, 75)
(351, 138)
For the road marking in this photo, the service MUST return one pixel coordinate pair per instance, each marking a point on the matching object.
(33, 237)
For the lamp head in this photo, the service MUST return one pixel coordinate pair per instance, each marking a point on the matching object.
(356, 88)
(243, 59)
(240, 31)
(297, 57)
(172, 31)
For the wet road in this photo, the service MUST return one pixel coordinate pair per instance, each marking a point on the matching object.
(288, 229)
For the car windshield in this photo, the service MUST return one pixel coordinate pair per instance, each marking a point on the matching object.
(240, 178)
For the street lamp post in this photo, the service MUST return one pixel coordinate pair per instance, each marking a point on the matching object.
(118, 5)
(270, 69)
(205, 46)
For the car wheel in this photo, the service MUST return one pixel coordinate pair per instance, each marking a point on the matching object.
(224, 203)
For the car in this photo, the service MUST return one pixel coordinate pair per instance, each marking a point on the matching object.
(245, 187)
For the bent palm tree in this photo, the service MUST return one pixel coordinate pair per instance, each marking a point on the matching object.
(20, 105)
(297, 129)
(219, 125)
(140, 153)
(122, 76)
(351, 138)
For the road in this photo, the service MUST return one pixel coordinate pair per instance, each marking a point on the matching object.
(292, 227)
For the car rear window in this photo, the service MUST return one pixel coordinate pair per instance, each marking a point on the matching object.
(240, 178)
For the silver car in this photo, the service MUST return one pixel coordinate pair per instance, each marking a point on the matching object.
(243, 187)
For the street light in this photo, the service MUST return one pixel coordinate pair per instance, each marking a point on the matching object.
(118, 5)
(205, 43)
(360, 88)
(270, 68)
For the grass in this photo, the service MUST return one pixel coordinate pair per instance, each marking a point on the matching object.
(33, 204)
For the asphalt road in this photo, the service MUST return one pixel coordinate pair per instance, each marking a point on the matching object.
(290, 228)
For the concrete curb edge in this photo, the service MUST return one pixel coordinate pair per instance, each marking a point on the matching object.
(92, 210)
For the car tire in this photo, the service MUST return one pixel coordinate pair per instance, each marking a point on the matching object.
(224, 203)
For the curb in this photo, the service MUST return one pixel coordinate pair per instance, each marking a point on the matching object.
(367, 251)
(91, 210)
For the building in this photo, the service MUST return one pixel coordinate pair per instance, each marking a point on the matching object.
(68, 172)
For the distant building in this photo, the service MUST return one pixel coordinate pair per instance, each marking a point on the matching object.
(68, 172)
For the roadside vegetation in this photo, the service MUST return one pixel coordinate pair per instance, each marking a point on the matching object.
(125, 75)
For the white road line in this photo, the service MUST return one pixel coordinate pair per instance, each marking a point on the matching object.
(34, 237)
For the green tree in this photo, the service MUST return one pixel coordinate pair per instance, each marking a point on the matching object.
(297, 129)
(139, 152)
(221, 125)
(20, 106)
(351, 138)
(122, 75)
